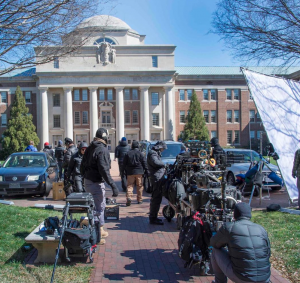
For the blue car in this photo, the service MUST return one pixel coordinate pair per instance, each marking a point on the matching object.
(27, 173)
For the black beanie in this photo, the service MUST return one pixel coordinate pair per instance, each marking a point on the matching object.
(135, 144)
(102, 133)
(242, 209)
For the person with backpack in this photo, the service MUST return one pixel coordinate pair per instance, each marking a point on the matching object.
(135, 166)
(217, 151)
(157, 169)
(47, 148)
(120, 152)
(71, 150)
(74, 168)
(59, 155)
(31, 147)
(247, 258)
(95, 168)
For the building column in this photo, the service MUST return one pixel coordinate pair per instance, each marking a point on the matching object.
(169, 109)
(93, 112)
(119, 113)
(145, 123)
(44, 116)
(68, 112)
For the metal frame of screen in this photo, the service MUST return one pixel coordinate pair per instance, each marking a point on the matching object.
(278, 103)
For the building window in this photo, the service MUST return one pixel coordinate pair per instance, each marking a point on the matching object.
(155, 119)
(155, 136)
(105, 116)
(258, 135)
(135, 94)
(252, 115)
(236, 94)
(205, 94)
(252, 134)
(110, 94)
(127, 117)
(154, 98)
(213, 116)
(84, 95)
(257, 117)
(189, 94)
(181, 94)
(3, 120)
(56, 63)
(205, 114)
(101, 94)
(229, 116)
(135, 117)
(3, 96)
(56, 100)
(213, 94)
(56, 121)
(154, 61)
(236, 116)
(213, 134)
(77, 118)
(27, 96)
(182, 116)
(228, 94)
(85, 119)
(236, 137)
(76, 95)
(229, 137)
(126, 94)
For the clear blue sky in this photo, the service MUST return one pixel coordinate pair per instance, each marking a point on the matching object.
(184, 23)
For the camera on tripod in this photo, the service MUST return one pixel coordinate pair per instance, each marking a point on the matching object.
(200, 149)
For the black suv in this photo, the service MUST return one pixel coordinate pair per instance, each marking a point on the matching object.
(168, 155)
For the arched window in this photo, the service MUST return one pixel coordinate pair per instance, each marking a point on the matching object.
(101, 39)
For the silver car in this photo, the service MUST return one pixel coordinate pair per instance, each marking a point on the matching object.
(240, 160)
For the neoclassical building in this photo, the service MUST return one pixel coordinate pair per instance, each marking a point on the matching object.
(118, 82)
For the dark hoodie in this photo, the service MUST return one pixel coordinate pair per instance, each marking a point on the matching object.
(121, 150)
(155, 165)
(248, 246)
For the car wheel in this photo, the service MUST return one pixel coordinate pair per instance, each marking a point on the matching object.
(276, 188)
(230, 179)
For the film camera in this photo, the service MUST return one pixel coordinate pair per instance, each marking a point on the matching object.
(198, 148)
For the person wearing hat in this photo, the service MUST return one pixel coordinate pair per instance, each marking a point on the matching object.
(71, 150)
(74, 168)
(216, 150)
(135, 165)
(47, 148)
(95, 168)
(296, 173)
(120, 152)
(248, 256)
(59, 155)
(157, 170)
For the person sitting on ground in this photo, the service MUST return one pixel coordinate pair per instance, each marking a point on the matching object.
(135, 166)
(31, 147)
(248, 255)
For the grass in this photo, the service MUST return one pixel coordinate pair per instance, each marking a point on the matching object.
(284, 234)
(272, 161)
(16, 224)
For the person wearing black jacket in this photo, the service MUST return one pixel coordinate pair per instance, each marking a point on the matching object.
(120, 152)
(47, 148)
(135, 166)
(71, 150)
(248, 255)
(59, 155)
(157, 169)
(217, 150)
(74, 168)
(95, 168)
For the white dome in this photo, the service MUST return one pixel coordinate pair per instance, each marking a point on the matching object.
(105, 22)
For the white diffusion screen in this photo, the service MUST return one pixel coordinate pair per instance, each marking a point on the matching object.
(278, 104)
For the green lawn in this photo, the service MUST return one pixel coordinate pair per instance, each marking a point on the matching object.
(284, 234)
(16, 224)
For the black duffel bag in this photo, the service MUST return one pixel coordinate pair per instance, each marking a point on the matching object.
(77, 238)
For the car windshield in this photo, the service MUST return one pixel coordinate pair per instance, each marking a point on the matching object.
(25, 161)
(172, 151)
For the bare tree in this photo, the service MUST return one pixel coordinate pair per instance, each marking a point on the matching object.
(48, 24)
(260, 30)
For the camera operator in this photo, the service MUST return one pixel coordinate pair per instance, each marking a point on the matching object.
(216, 150)
(95, 168)
(157, 169)
(71, 150)
(296, 173)
(248, 255)
(74, 168)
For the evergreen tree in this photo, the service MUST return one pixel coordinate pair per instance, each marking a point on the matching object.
(195, 127)
(20, 129)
